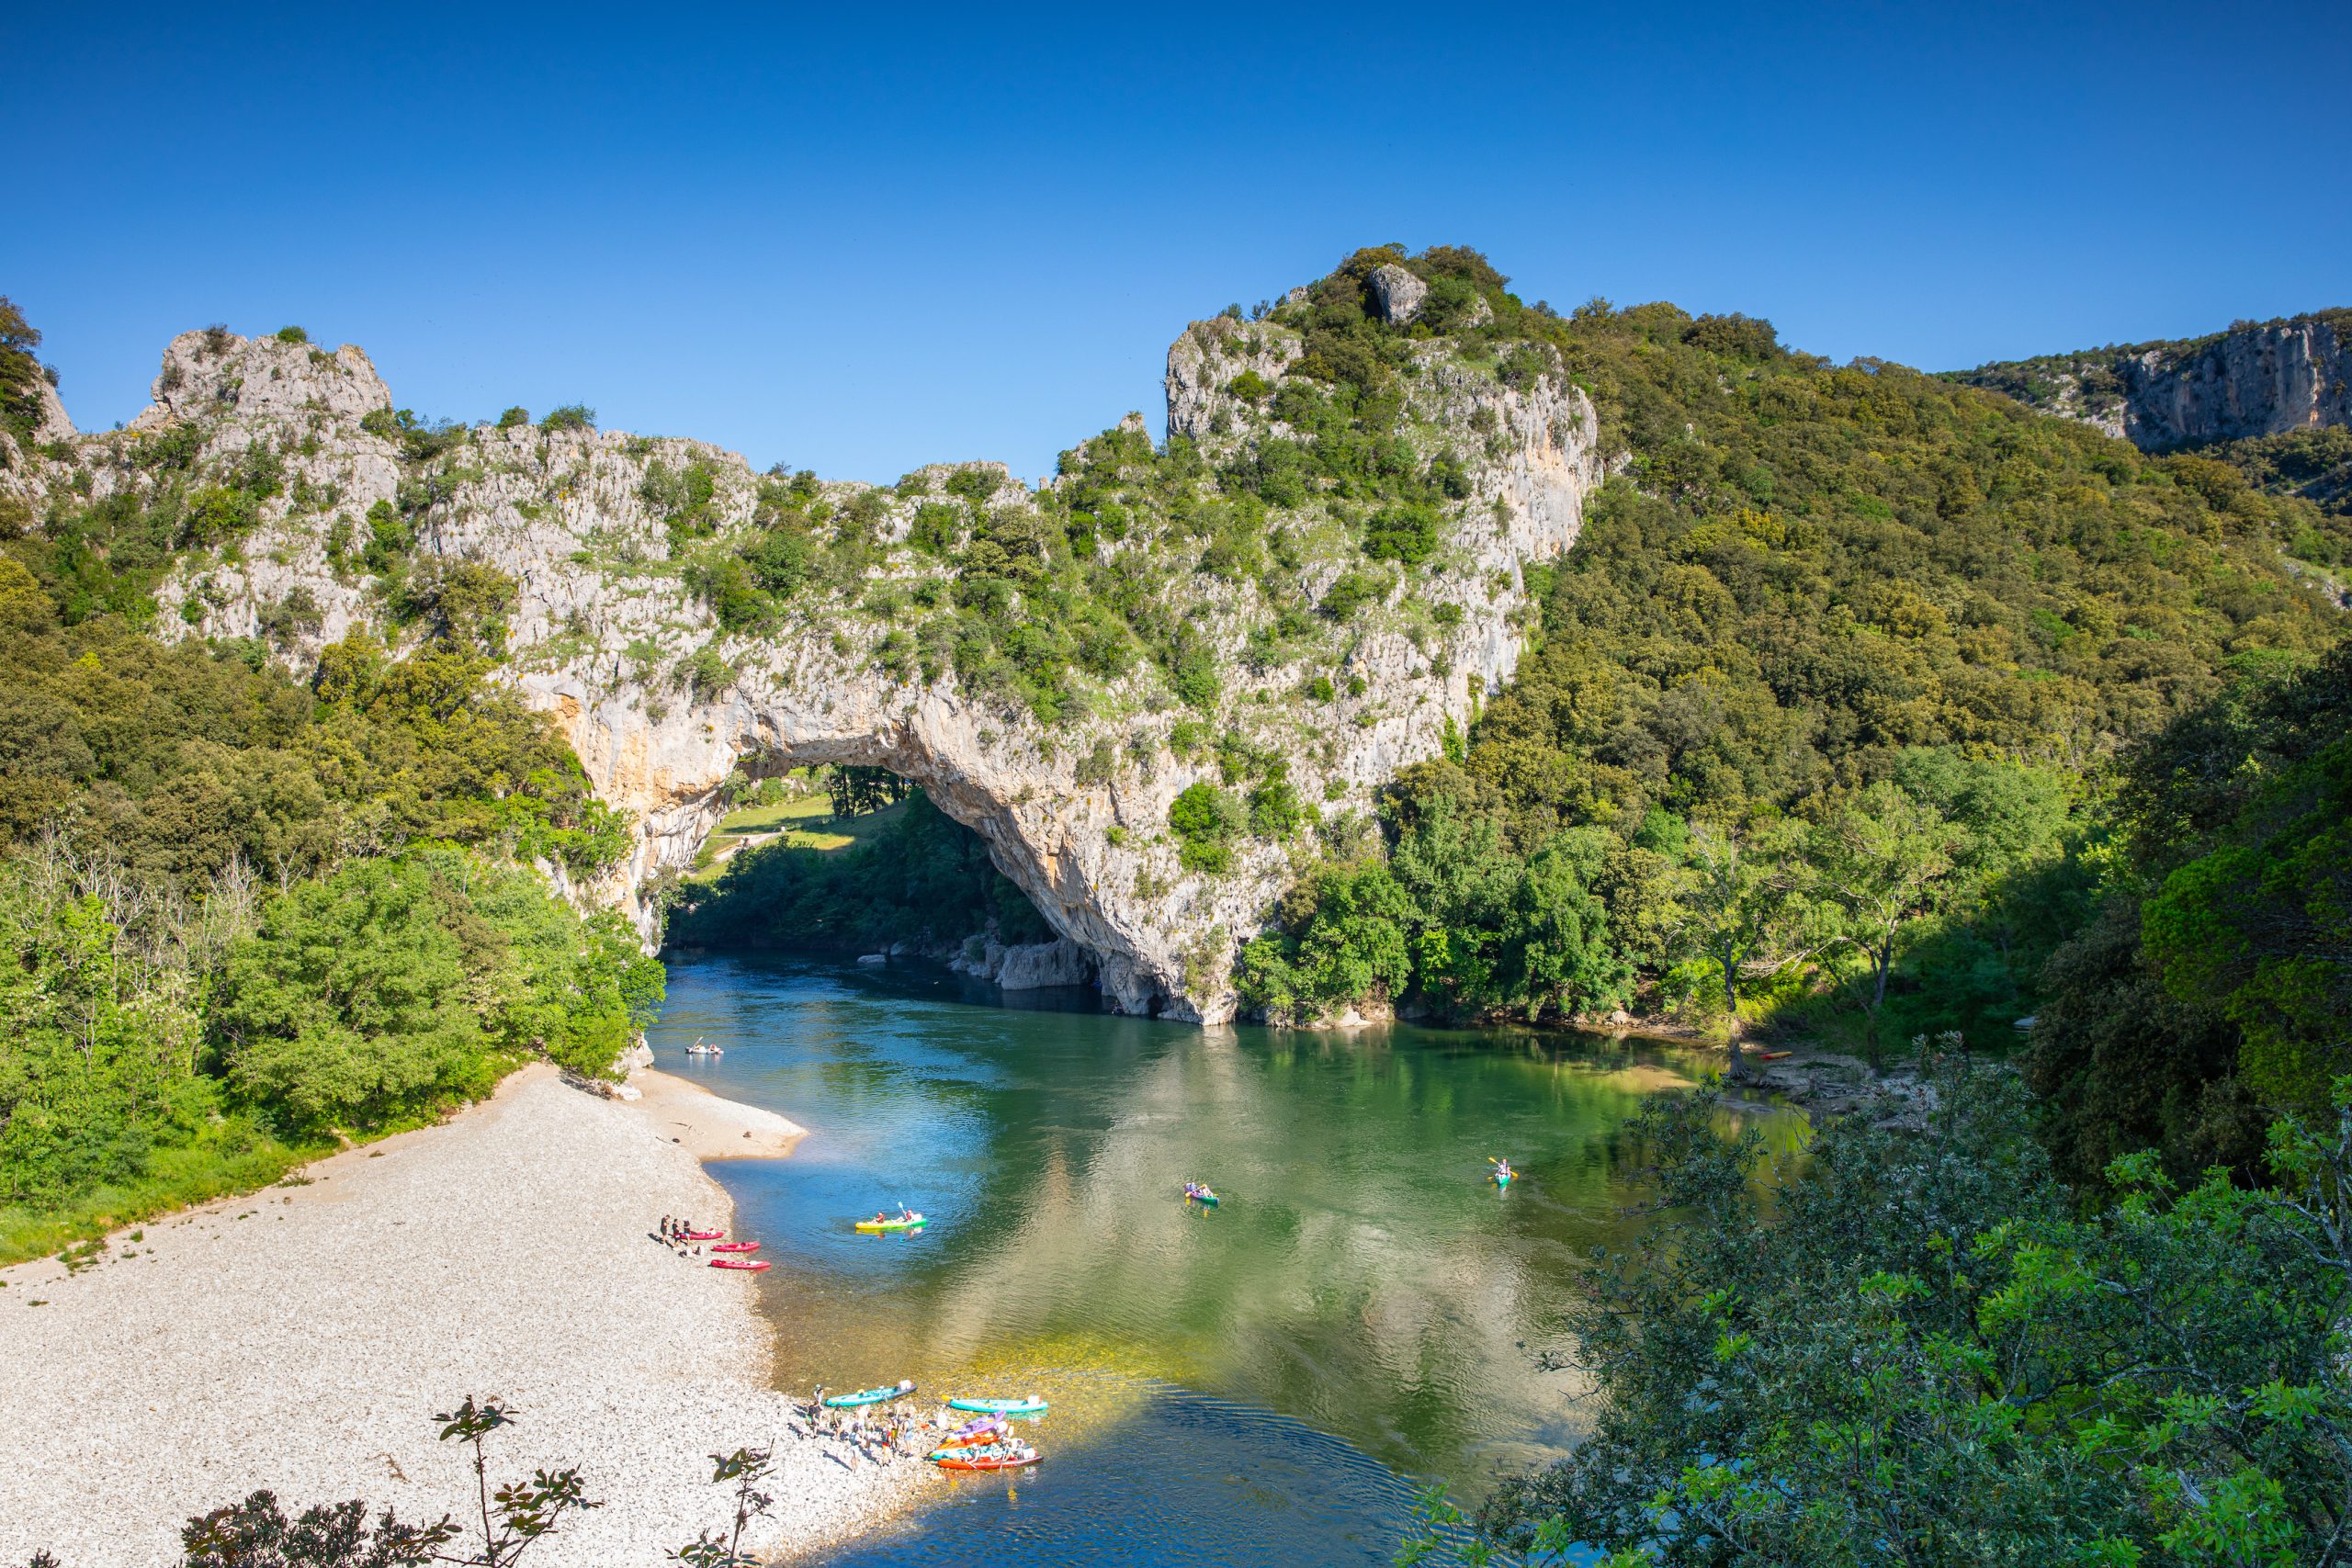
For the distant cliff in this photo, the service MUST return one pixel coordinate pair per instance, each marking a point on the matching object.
(2253, 381)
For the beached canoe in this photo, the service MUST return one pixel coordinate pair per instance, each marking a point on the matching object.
(868, 1396)
(876, 1228)
(749, 1265)
(703, 1236)
(737, 1246)
(987, 1429)
(1031, 1405)
(982, 1458)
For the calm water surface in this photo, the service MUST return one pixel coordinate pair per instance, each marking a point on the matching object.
(1266, 1381)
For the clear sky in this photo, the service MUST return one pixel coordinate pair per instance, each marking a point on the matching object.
(861, 237)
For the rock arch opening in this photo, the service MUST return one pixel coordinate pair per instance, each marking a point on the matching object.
(844, 857)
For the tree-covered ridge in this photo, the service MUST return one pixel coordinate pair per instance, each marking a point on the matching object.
(1845, 648)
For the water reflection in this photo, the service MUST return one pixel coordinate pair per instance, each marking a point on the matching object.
(1361, 1279)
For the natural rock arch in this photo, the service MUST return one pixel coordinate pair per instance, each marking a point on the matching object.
(604, 623)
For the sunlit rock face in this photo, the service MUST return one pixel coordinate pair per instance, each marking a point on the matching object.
(2258, 379)
(609, 621)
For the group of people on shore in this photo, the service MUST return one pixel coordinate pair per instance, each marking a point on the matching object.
(678, 1236)
(881, 1436)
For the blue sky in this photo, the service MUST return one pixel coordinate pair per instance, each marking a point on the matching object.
(858, 239)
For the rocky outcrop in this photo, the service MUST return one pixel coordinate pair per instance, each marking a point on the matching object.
(2253, 380)
(1026, 966)
(1397, 294)
(611, 635)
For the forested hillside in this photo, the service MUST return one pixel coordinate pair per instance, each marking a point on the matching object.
(248, 915)
(1823, 727)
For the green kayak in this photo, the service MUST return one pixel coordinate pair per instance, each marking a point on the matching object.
(868, 1396)
(1032, 1405)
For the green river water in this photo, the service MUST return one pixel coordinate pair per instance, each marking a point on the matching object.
(1266, 1381)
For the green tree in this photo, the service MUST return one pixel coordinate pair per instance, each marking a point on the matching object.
(1742, 909)
(1880, 862)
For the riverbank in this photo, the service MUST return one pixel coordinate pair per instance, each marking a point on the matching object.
(301, 1338)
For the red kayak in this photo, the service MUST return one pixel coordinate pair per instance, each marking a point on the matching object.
(703, 1236)
(986, 1461)
(753, 1264)
(737, 1246)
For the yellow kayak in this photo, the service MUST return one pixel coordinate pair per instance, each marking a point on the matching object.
(876, 1228)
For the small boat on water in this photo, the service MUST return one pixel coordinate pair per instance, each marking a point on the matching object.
(1504, 1174)
(907, 1220)
(749, 1264)
(870, 1395)
(1200, 1192)
(737, 1246)
(985, 1459)
(699, 1049)
(1029, 1405)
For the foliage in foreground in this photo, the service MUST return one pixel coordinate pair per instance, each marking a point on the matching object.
(503, 1523)
(1910, 1348)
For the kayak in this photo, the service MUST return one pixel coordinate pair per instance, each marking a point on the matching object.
(988, 1428)
(737, 1246)
(750, 1264)
(868, 1396)
(1774, 1055)
(982, 1458)
(977, 1440)
(1504, 1177)
(1031, 1406)
(876, 1228)
(703, 1235)
(1201, 1195)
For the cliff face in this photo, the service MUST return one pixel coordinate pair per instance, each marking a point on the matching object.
(2250, 381)
(614, 632)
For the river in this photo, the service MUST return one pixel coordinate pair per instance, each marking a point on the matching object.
(1269, 1381)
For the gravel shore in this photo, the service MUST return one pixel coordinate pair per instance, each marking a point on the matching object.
(301, 1338)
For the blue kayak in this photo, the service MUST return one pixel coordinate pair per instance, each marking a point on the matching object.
(1032, 1405)
(868, 1396)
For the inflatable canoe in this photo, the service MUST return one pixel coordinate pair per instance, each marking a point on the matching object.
(702, 1236)
(983, 1458)
(750, 1264)
(868, 1396)
(1031, 1406)
(987, 1429)
(1201, 1195)
(1505, 1177)
(876, 1228)
(737, 1246)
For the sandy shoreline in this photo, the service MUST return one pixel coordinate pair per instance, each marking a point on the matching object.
(301, 1337)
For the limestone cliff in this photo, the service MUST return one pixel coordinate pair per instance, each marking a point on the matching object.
(617, 629)
(2253, 380)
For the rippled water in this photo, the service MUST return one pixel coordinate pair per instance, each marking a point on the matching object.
(1265, 1381)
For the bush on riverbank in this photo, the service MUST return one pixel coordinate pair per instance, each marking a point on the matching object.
(1911, 1350)
(162, 1052)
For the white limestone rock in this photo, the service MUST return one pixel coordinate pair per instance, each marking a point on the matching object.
(1397, 294)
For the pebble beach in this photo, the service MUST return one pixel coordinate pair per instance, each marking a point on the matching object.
(301, 1339)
